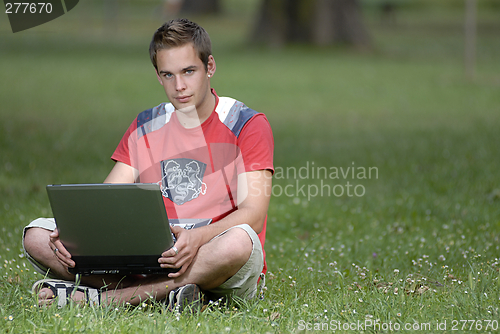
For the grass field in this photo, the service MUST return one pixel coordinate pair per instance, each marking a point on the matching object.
(413, 245)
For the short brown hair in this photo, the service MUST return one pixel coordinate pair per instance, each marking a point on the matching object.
(179, 32)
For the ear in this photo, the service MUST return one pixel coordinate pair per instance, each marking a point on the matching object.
(158, 77)
(211, 66)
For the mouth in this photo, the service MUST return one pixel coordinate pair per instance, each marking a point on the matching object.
(183, 98)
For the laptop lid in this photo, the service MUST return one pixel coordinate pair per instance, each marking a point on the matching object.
(112, 228)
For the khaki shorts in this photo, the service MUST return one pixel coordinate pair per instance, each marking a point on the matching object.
(243, 284)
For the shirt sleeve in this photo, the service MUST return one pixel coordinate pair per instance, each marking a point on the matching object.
(257, 144)
(122, 151)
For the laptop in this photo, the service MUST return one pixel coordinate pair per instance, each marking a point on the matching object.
(114, 228)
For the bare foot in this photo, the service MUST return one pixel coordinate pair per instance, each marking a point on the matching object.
(46, 297)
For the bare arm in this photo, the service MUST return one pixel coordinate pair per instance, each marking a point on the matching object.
(122, 173)
(254, 193)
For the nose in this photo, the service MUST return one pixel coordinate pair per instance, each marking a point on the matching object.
(180, 84)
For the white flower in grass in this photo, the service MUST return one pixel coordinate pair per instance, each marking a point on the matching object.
(398, 314)
(11, 318)
(396, 271)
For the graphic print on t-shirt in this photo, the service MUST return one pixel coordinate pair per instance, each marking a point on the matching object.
(182, 179)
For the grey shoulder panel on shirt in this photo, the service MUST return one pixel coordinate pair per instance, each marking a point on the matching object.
(153, 119)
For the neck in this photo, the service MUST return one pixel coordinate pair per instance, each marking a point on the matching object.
(191, 117)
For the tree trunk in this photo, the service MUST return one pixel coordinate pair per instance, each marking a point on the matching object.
(320, 22)
(271, 23)
(470, 38)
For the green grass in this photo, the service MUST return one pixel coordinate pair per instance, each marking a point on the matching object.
(420, 246)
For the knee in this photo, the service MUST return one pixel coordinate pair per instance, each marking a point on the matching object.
(237, 245)
(36, 238)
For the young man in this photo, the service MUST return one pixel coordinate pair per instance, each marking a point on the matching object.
(212, 157)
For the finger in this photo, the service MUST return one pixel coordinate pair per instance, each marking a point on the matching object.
(174, 251)
(182, 263)
(166, 261)
(64, 260)
(170, 252)
(62, 250)
(55, 233)
(63, 255)
(180, 272)
(174, 262)
(176, 230)
(60, 247)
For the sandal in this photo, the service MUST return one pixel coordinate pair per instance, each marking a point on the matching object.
(64, 290)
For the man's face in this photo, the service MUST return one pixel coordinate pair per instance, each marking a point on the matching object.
(184, 78)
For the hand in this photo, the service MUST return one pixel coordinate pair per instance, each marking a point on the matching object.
(61, 253)
(188, 243)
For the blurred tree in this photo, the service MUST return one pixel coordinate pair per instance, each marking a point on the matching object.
(111, 8)
(200, 6)
(388, 12)
(321, 22)
(470, 38)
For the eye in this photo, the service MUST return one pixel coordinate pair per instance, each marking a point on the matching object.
(168, 75)
(189, 72)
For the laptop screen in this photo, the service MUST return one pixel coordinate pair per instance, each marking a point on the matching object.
(111, 219)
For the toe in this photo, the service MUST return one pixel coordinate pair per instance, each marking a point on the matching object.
(45, 293)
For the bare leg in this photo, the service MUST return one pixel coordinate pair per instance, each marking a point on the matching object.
(36, 242)
(214, 263)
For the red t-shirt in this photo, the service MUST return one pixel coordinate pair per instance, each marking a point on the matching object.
(197, 168)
